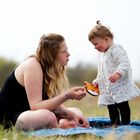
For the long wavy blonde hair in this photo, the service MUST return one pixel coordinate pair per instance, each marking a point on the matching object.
(54, 75)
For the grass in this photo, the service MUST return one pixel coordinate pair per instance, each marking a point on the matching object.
(89, 107)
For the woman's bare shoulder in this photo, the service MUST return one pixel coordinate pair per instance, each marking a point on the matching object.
(30, 64)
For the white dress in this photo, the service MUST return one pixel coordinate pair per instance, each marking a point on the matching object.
(115, 59)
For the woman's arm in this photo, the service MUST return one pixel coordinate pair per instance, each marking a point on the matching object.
(74, 93)
(64, 113)
(33, 83)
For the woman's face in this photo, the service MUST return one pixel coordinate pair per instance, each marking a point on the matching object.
(63, 55)
(100, 44)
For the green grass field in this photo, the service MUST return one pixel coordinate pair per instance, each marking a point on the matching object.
(90, 109)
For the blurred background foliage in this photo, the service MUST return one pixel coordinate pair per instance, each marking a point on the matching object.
(6, 66)
(80, 73)
(77, 74)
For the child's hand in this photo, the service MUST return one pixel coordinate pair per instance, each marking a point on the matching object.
(95, 84)
(114, 77)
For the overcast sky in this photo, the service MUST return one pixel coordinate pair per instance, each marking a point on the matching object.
(22, 22)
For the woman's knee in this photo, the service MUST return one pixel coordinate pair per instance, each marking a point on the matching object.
(51, 119)
(36, 120)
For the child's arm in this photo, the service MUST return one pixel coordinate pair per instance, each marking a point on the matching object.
(120, 59)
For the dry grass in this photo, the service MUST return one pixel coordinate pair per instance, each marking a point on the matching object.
(90, 108)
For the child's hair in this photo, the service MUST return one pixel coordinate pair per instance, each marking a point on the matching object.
(99, 31)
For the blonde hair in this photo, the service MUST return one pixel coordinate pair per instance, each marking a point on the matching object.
(99, 31)
(54, 75)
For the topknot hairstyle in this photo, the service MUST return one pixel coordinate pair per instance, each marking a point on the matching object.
(99, 31)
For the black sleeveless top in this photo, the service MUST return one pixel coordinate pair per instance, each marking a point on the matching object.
(13, 101)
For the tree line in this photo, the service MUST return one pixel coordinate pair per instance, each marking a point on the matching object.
(6, 66)
(77, 74)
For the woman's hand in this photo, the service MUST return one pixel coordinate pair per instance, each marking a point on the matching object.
(74, 118)
(80, 121)
(78, 117)
(77, 93)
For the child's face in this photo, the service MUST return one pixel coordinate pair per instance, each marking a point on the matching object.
(100, 44)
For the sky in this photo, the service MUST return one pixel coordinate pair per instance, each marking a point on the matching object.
(23, 22)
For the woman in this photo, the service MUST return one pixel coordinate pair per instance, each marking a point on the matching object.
(33, 94)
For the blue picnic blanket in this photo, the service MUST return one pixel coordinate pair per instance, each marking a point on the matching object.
(99, 127)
